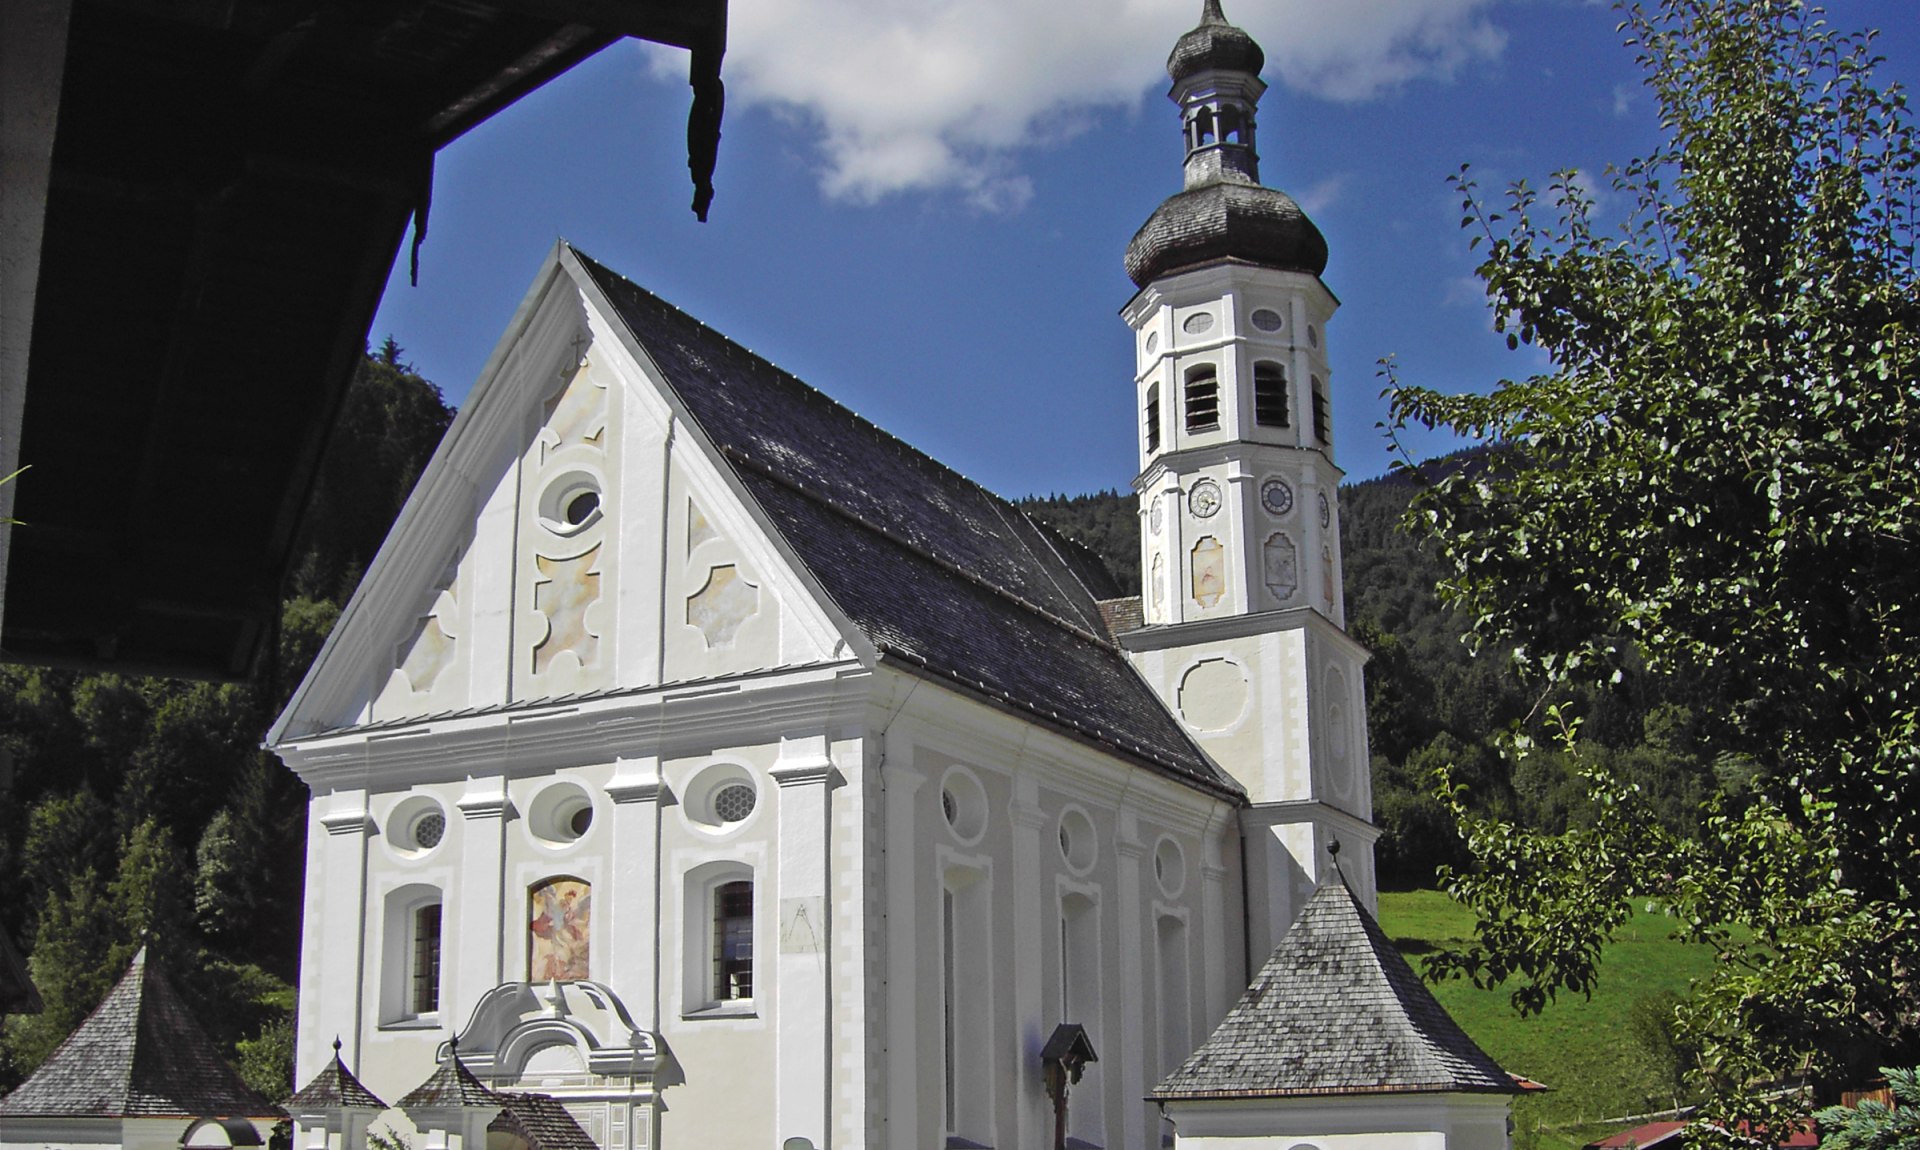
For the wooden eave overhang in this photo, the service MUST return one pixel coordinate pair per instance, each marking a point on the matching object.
(230, 183)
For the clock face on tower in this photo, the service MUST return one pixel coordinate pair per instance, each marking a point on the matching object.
(1205, 499)
(1276, 496)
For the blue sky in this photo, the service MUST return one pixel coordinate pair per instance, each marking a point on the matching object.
(922, 205)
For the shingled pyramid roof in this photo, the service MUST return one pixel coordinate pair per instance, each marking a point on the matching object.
(944, 577)
(452, 1084)
(334, 1088)
(1335, 1010)
(140, 1054)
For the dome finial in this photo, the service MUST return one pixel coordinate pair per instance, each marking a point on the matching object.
(1210, 13)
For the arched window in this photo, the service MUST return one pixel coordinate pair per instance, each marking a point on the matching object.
(1203, 398)
(733, 941)
(1153, 418)
(410, 954)
(1320, 433)
(1270, 395)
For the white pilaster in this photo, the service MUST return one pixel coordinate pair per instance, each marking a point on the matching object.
(803, 983)
(477, 938)
(1031, 926)
(1136, 1117)
(332, 1002)
(635, 789)
(901, 782)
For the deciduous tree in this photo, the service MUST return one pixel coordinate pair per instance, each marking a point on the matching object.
(1715, 481)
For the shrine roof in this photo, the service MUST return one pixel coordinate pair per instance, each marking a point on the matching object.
(1335, 1010)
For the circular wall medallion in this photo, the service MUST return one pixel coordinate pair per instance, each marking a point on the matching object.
(1170, 867)
(1153, 342)
(1326, 510)
(1157, 515)
(1199, 323)
(1205, 498)
(1267, 319)
(1213, 695)
(1276, 496)
(1313, 335)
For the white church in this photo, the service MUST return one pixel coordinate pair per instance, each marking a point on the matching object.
(700, 757)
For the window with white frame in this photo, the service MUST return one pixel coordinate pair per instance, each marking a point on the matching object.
(718, 960)
(410, 955)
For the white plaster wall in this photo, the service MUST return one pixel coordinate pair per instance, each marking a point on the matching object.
(1029, 778)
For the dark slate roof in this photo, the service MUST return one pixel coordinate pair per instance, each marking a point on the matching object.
(18, 995)
(939, 573)
(1214, 45)
(542, 1123)
(1223, 220)
(451, 1084)
(1336, 1010)
(140, 1054)
(334, 1088)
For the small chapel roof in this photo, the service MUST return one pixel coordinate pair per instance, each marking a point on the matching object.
(1335, 1010)
(140, 1054)
(541, 1122)
(451, 1084)
(943, 576)
(334, 1088)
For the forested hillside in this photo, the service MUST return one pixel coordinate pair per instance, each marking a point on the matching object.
(143, 810)
(1431, 702)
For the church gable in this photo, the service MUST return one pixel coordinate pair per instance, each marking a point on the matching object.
(575, 534)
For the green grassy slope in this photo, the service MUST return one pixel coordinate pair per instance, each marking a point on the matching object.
(1583, 1049)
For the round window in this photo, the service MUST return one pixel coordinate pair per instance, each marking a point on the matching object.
(560, 814)
(964, 804)
(570, 503)
(581, 508)
(1267, 319)
(733, 802)
(1169, 867)
(416, 825)
(1076, 840)
(428, 829)
(1199, 323)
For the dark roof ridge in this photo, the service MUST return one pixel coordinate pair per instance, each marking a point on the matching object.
(943, 563)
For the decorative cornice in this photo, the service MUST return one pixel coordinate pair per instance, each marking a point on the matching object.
(1166, 636)
(354, 821)
(631, 725)
(802, 772)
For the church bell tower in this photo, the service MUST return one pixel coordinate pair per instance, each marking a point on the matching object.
(1239, 493)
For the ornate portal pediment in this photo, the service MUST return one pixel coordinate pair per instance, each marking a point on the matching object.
(517, 1021)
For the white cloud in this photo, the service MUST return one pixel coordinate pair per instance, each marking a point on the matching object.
(1322, 195)
(926, 95)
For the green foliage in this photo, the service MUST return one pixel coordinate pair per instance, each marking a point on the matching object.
(1584, 1050)
(1714, 484)
(1875, 1125)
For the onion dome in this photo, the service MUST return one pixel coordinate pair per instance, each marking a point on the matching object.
(1225, 213)
(1214, 45)
(1226, 220)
